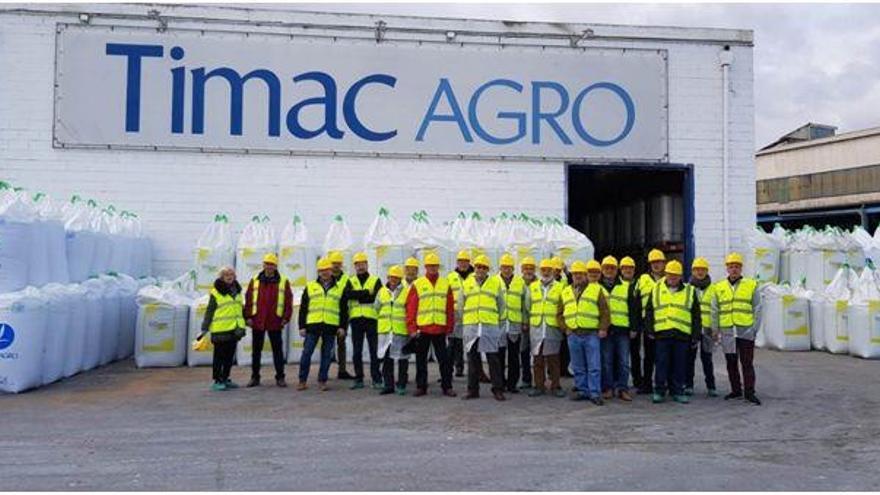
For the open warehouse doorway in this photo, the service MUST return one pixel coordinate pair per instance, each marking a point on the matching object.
(626, 210)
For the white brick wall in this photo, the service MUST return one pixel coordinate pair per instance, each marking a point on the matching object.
(176, 193)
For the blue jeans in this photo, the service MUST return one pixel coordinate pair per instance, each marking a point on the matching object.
(328, 341)
(615, 361)
(586, 361)
(670, 365)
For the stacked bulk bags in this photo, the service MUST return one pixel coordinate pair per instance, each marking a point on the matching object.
(836, 311)
(110, 319)
(422, 238)
(256, 240)
(16, 231)
(23, 323)
(214, 249)
(798, 255)
(197, 310)
(763, 257)
(864, 317)
(525, 239)
(827, 255)
(338, 239)
(296, 259)
(384, 243)
(162, 326)
(75, 340)
(142, 260)
(785, 319)
(58, 323)
(100, 224)
(94, 305)
(564, 241)
(52, 221)
(128, 288)
(81, 241)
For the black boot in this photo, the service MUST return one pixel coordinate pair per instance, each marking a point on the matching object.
(255, 382)
(751, 397)
(733, 395)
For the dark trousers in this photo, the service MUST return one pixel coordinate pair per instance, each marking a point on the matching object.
(708, 367)
(525, 359)
(564, 359)
(275, 338)
(340, 353)
(455, 352)
(671, 365)
(224, 352)
(360, 328)
(635, 360)
(474, 364)
(745, 349)
(438, 343)
(647, 362)
(388, 371)
(509, 357)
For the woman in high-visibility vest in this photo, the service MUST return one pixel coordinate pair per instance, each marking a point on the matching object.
(390, 306)
(224, 320)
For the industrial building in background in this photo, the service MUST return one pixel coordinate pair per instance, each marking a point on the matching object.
(639, 136)
(814, 176)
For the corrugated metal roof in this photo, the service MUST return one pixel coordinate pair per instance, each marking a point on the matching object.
(846, 136)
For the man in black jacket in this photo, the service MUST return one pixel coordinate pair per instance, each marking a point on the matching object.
(363, 289)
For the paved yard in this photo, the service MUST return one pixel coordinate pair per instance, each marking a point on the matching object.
(120, 428)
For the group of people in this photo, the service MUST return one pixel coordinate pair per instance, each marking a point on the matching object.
(596, 318)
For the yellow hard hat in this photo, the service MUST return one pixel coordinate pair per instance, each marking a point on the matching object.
(547, 263)
(270, 258)
(656, 255)
(202, 344)
(432, 259)
(395, 271)
(674, 268)
(412, 262)
(463, 255)
(627, 261)
(325, 264)
(506, 260)
(593, 266)
(483, 260)
(733, 258)
(609, 261)
(359, 257)
(578, 267)
(700, 263)
(336, 257)
(527, 261)
(557, 262)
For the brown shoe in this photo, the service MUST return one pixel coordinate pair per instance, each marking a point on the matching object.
(302, 386)
(499, 395)
(607, 395)
(420, 392)
(450, 393)
(324, 386)
(470, 395)
(624, 395)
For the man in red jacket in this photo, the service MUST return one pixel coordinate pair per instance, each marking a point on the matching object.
(430, 318)
(268, 305)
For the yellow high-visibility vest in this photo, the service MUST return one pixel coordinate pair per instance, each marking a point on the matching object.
(481, 301)
(513, 296)
(543, 309)
(279, 306)
(323, 306)
(455, 282)
(645, 285)
(392, 311)
(672, 311)
(228, 315)
(432, 301)
(706, 296)
(356, 309)
(582, 313)
(735, 306)
(618, 304)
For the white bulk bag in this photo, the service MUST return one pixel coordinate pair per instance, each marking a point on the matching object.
(295, 257)
(75, 341)
(338, 238)
(864, 318)
(23, 320)
(785, 318)
(422, 238)
(246, 346)
(100, 224)
(142, 263)
(196, 316)
(81, 241)
(384, 243)
(53, 223)
(567, 243)
(58, 323)
(256, 240)
(817, 320)
(294, 341)
(128, 288)
(214, 249)
(763, 257)
(825, 258)
(16, 234)
(94, 304)
(110, 321)
(836, 312)
(122, 258)
(162, 326)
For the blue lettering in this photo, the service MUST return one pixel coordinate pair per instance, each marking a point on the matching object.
(627, 102)
(444, 89)
(328, 101)
(133, 54)
(538, 115)
(178, 88)
(349, 111)
(236, 100)
(519, 117)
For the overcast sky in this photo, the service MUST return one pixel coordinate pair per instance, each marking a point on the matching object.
(813, 62)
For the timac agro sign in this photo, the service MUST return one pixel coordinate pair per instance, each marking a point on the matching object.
(128, 87)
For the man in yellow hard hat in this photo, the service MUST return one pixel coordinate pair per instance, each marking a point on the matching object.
(322, 315)
(585, 320)
(622, 302)
(430, 318)
(564, 277)
(544, 306)
(456, 278)
(363, 318)
(268, 307)
(627, 270)
(411, 271)
(737, 304)
(702, 284)
(337, 259)
(644, 370)
(672, 317)
(482, 314)
(393, 336)
(527, 270)
(514, 290)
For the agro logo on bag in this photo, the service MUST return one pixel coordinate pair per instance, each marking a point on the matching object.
(7, 336)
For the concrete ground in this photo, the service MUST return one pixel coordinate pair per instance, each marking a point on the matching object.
(121, 428)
